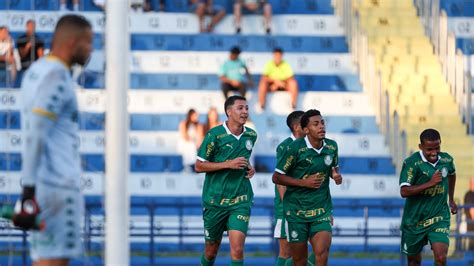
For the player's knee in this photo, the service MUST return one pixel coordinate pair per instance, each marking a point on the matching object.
(322, 254)
(237, 252)
(211, 252)
(440, 259)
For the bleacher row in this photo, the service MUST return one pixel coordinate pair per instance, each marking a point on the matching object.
(174, 69)
(461, 23)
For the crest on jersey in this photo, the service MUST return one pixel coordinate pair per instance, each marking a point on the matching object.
(248, 144)
(444, 172)
(328, 160)
(405, 247)
(206, 232)
(294, 234)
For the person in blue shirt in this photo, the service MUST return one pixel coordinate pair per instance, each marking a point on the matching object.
(233, 74)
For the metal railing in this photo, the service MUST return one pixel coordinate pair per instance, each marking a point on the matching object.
(185, 230)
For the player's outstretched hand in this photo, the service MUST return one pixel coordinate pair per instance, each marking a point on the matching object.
(238, 163)
(250, 171)
(453, 206)
(336, 176)
(436, 177)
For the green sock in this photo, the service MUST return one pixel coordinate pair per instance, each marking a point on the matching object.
(311, 260)
(205, 262)
(281, 261)
(237, 263)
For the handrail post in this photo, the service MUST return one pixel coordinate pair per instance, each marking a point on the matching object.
(366, 228)
(151, 210)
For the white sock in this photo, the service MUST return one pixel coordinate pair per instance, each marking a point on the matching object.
(76, 7)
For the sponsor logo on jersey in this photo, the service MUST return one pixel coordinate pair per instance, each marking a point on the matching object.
(206, 233)
(328, 160)
(248, 145)
(243, 218)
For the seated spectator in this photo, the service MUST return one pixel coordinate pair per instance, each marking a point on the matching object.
(253, 6)
(206, 7)
(212, 120)
(75, 5)
(190, 138)
(30, 46)
(7, 61)
(277, 75)
(232, 72)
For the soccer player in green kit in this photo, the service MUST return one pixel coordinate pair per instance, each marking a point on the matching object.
(293, 122)
(305, 169)
(227, 193)
(427, 180)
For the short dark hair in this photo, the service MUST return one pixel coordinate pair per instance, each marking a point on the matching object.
(430, 134)
(30, 21)
(305, 118)
(294, 118)
(231, 100)
(73, 21)
(235, 50)
(278, 50)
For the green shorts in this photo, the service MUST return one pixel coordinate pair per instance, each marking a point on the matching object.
(216, 221)
(412, 244)
(301, 232)
(280, 228)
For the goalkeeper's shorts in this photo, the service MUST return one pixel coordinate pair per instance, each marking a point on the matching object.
(62, 210)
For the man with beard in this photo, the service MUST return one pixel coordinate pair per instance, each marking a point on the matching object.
(51, 162)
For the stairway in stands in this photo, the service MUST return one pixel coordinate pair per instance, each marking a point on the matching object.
(413, 78)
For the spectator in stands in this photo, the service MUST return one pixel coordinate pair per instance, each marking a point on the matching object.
(207, 7)
(75, 5)
(252, 6)
(212, 120)
(277, 75)
(7, 60)
(469, 200)
(30, 45)
(135, 5)
(190, 138)
(232, 72)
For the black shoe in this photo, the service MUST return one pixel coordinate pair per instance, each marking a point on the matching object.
(268, 31)
(238, 30)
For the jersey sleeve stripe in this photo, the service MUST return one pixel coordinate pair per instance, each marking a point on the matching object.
(279, 171)
(405, 184)
(45, 113)
(201, 159)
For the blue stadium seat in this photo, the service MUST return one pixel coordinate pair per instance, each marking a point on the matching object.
(184, 81)
(279, 6)
(248, 43)
(348, 165)
(458, 8)
(173, 163)
(153, 122)
(466, 45)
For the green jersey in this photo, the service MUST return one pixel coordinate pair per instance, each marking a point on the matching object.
(430, 206)
(302, 204)
(227, 188)
(280, 151)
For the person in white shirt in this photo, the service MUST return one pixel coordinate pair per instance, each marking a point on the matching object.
(7, 60)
